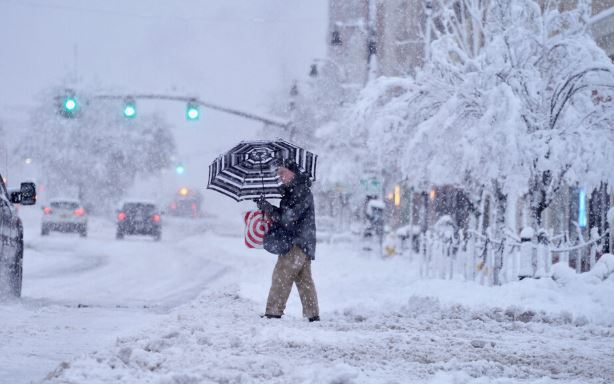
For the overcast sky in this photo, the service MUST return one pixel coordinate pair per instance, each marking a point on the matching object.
(236, 53)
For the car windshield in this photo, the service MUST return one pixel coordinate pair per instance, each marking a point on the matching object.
(143, 208)
(64, 205)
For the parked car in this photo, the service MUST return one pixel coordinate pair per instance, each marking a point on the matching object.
(139, 218)
(11, 236)
(64, 215)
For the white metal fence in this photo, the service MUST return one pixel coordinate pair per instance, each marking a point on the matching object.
(479, 257)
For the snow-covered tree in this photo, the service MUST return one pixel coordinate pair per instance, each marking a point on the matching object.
(507, 103)
(565, 83)
(98, 152)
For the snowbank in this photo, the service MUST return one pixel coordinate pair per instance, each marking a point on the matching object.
(380, 324)
(220, 339)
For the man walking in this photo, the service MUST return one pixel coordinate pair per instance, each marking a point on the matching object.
(296, 217)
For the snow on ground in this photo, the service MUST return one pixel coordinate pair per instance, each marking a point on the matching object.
(380, 324)
(186, 310)
(81, 294)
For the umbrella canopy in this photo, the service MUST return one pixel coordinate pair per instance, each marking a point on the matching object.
(249, 170)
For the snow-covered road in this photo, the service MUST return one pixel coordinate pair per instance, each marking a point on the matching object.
(186, 310)
(80, 294)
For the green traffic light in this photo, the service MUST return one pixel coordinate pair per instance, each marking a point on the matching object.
(180, 169)
(67, 105)
(129, 108)
(70, 104)
(129, 111)
(192, 113)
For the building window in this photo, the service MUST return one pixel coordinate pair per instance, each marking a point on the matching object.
(336, 38)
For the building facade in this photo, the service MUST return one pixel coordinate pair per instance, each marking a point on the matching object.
(349, 39)
(377, 37)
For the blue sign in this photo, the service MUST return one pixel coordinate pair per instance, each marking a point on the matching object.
(582, 208)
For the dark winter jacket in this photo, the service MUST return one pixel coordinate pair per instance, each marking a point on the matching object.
(296, 214)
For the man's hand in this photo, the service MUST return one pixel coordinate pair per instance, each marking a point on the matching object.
(269, 209)
(261, 203)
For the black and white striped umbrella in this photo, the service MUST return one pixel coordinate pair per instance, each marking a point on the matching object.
(249, 170)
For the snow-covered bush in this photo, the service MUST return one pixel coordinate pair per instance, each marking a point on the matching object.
(604, 267)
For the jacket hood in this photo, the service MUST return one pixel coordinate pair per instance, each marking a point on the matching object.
(300, 180)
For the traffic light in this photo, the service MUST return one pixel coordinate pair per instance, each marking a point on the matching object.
(130, 108)
(68, 104)
(179, 169)
(192, 113)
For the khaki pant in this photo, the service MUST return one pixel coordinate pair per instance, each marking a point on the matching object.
(293, 267)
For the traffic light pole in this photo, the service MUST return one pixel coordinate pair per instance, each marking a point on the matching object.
(236, 112)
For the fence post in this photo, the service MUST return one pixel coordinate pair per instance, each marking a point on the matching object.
(424, 255)
(594, 235)
(550, 255)
(513, 269)
(420, 255)
(564, 256)
(498, 262)
(541, 260)
(541, 254)
(410, 239)
(471, 256)
(462, 245)
(579, 252)
(526, 267)
(451, 258)
(611, 226)
(485, 262)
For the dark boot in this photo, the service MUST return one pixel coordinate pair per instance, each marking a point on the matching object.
(270, 316)
(315, 318)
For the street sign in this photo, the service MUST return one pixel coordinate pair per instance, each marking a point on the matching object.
(371, 185)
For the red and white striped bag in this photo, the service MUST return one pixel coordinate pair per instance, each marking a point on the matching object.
(257, 224)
